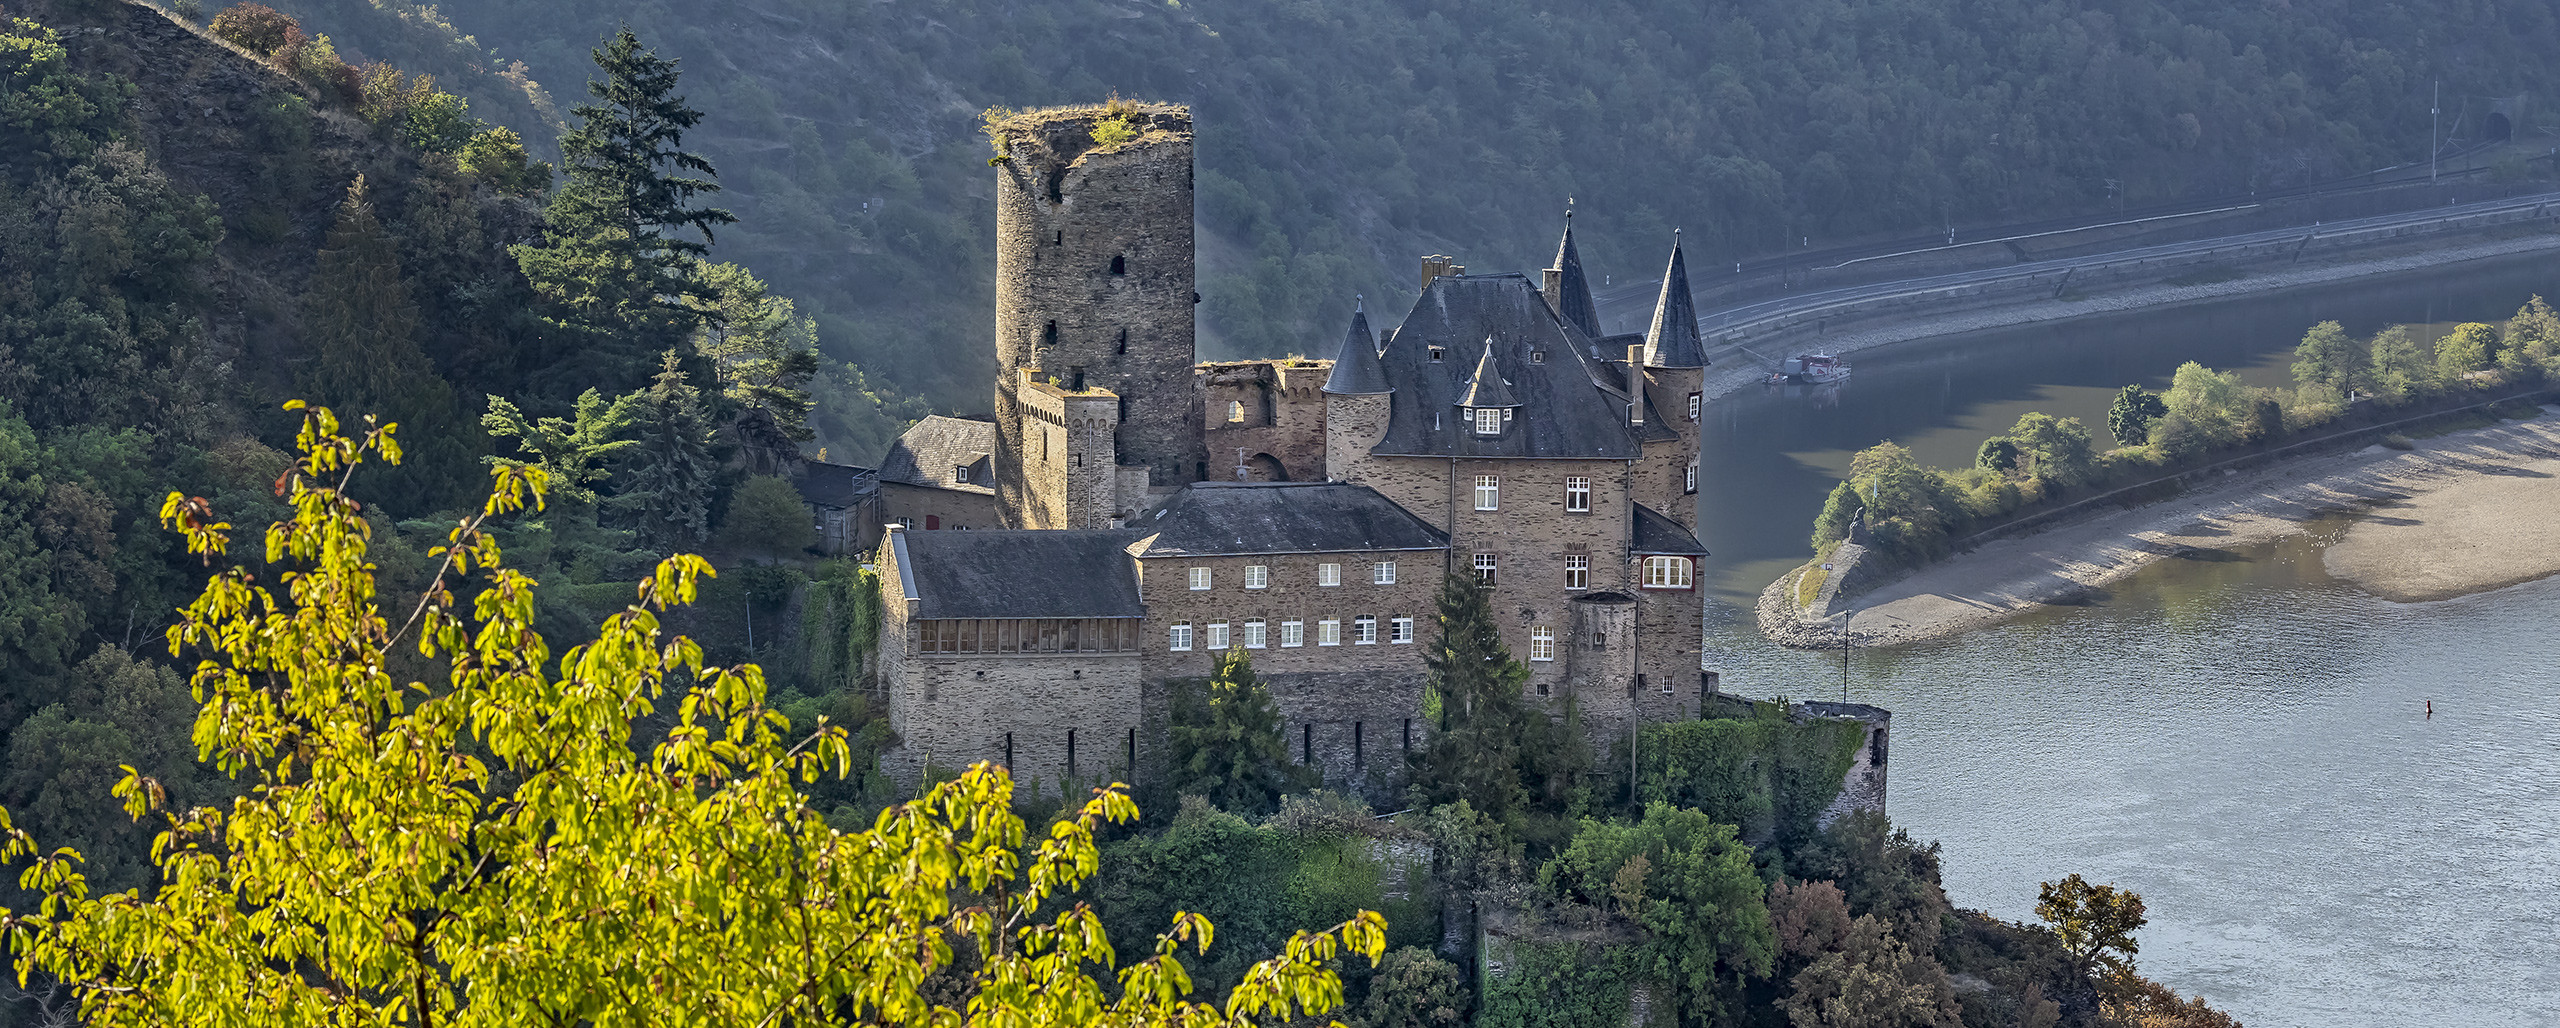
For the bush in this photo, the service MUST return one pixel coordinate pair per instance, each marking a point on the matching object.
(257, 28)
(190, 10)
(498, 158)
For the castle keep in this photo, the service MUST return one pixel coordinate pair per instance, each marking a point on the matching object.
(1157, 511)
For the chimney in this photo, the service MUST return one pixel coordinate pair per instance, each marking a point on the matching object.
(1635, 385)
(1553, 287)
(1438, 265)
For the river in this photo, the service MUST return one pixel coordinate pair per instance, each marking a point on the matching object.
(2245, 741)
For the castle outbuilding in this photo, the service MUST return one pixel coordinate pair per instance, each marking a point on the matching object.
(1158, 511)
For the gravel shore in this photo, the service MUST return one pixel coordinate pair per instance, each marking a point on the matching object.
(2462, 513)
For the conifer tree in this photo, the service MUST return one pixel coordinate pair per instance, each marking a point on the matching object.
(1226, 741)
(616, 259)
(1487, 745)
(671, 474)
(363, 327)
(764, 353)
(2130, 418)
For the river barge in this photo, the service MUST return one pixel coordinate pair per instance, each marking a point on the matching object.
(1811, 369)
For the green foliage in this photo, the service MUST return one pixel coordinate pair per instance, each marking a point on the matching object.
(2327, 357)
(257, 28)
(764, 355)
(2129, 418)
(1872, 980)
(1226, 741)
(2401, 371)
(1113, 131)
(2470, 347)
(2533, 340)
(1690, 882)
(480, 826)
(1839, 511)
(2208, 410)
(48, 565)
(1559, 984)
(767, 516)
(1909, 507)
(2095, 923)
(668, 475)
(1768, 773)
(572, 451)
(1488, 747)
(1998, 455)
(1415, 989)
(613, 259)
(497, 156)
(1881, 871)
(116, 712)
(46, 110)
(363, 327)
(2054, 452)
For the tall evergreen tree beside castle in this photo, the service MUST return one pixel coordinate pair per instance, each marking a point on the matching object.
(618, 261)
(1487, 746)
(670, 475)
(1226, 740)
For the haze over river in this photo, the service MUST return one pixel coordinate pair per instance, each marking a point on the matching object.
(2243, 740)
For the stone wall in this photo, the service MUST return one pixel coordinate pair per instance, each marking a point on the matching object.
(1864, 786)
(1069, 476)
(1094, 280)
(924, 507)
(1271, 411)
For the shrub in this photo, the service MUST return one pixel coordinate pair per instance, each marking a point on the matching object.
(498, 158)
(257, 28)
(191, 10)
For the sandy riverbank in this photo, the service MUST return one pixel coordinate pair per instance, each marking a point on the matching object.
(1736, 371)
(2461, 513)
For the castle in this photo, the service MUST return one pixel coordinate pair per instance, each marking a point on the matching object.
(1135, 512)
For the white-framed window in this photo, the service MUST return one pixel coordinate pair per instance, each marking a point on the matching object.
(960, 473)
(1577, 571)
(1199, 579)
(1488, 492)
(1689, 478)
(1329, 632)
(1666, 572)
(1484, 568)
(1179, 637)
(1382, 573)
(1400, 630)
(1257, 576)
(1542, 643)
(1293, 634)
(1577, 494)
(1328, 574)
(1694, 403)
(1488, 421)
(1364, 631)
(1253, 638)
(1218, 636)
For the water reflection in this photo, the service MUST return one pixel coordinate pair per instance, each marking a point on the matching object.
(2234, 734)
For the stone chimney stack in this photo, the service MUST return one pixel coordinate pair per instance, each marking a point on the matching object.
(1635, 385)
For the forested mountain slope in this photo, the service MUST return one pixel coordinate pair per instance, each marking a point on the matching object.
(1341, 138)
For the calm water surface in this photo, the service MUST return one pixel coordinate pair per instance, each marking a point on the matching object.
(2244, 741)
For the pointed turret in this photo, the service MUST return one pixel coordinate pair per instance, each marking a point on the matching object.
(1357, 370)
(1673, 342)
(1487, 389)
(1567, 288)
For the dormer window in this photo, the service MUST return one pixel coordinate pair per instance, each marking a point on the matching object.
(1438, 353)
(1537, 356)
(1488, 420)
(960, 474)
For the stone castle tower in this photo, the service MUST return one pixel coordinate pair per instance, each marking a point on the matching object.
(1094, 296)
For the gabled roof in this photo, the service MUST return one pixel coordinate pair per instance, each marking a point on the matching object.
(834, 485)
(1573, 288)
(1487, 388)
(1231, 518)
(1673, 341)
(1356, 371)
(1566, 414)
(931, 454)
(1017, 574)
(1657, 534)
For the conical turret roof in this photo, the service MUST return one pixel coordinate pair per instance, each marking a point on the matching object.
(1357, 370)
(1487, 389)
(1673, 342)
(1573, 288)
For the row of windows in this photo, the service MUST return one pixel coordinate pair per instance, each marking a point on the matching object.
(1255, 635)
(1027, 635)
(1659, 572)
(1258, 576)
(1577, 490)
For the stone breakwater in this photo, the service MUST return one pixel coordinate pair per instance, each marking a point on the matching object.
(2457, 514)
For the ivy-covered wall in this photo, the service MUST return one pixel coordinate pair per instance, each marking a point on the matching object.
(1766, 771)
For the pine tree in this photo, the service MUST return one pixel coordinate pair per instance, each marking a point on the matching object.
(615, 261)
(764, 353)
(1226, 741)
(1483, 731)
(670, 475)
(2129, 420)
(363, 327)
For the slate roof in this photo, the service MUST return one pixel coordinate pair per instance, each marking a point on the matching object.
(1488, 388)
(835, 485)
(1356, 371)
(932, 452)
(1017, 574)
(1566, 412)
(1673, 341)
(1232, 518)
(1573, 292)
(1658, 534)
